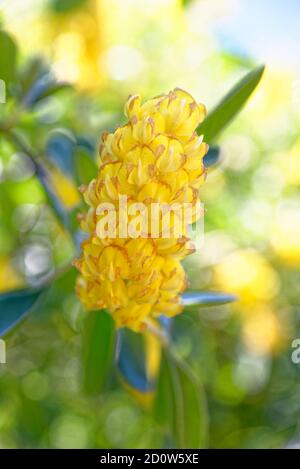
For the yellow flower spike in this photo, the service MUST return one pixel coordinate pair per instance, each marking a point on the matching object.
(155, 158)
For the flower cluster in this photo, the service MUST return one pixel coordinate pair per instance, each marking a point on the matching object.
(157, 157)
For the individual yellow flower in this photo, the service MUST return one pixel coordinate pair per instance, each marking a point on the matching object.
(156, 158)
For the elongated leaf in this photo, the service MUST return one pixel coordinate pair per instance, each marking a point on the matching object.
(131, 360)
(199, 298)
(180, 405)
(8, 58)
(15, 305)
(98, 350)
(230, 105)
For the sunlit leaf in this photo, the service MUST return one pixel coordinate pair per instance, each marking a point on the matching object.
(199, 298)
(98, 350)
(180, 405)
(15, 305)
(230, 105)
(8, 59)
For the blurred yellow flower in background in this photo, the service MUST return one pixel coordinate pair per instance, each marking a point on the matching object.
(101, 43)
(285, 232)
(289, 164)
(263, 332)
(248, 274)
(77, 40)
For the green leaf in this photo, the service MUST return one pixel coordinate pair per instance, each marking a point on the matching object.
(98, 350)
(15, 305)
(180, 405)
(199, 298)
(230, 105)
(8, 59)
